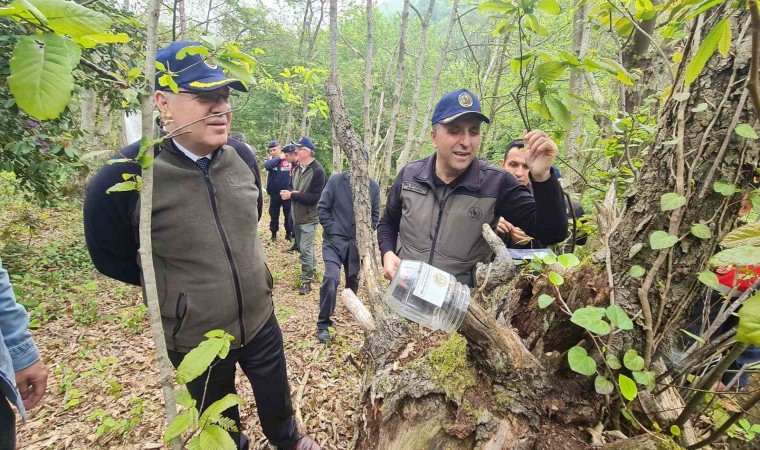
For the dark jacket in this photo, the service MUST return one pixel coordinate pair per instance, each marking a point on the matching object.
(580, 238)
(428, 220)
(309, 182)
(336, 215)
(278, 177)
(209, 262)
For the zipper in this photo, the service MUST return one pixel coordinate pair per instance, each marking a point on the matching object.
(441, 205)
(228, 251)
(179, 314)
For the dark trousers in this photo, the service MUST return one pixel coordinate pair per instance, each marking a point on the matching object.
(275, 203)
(328, 291)
(263, 362)
(7, 425)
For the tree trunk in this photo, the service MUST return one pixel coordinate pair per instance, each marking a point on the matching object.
(495, 92)
(404, 156)
(182, 20)
(367, 95)
(88, 107)
(146, 209)
(390, 135)
(433, 97)
(337, 153)
(506, 384)
(309, 57)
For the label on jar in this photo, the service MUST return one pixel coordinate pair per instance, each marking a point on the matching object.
(432, 285)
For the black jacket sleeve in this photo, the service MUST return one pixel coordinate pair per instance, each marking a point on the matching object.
(311, 196)
(374, 192)
(541, 215)
(249, 157)
(325, 205)
(111, 238)
(390, 223)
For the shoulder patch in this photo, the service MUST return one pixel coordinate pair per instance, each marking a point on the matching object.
(414, 187)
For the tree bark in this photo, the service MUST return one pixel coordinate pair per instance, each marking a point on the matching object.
(404, 156)
(146, 210)
(309, 57)
(367, 95)
(182, 20)
(494, 101)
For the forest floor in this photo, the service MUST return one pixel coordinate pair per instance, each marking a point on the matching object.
(103, 390)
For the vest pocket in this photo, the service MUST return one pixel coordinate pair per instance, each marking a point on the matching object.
(179, 315)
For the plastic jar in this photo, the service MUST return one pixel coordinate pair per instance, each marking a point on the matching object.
(429, 296)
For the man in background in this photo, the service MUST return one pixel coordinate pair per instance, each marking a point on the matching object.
(278, 179)
(308, 182)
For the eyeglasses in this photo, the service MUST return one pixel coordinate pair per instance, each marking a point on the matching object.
(210, 97)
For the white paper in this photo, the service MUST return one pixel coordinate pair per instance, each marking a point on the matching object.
(432, 285)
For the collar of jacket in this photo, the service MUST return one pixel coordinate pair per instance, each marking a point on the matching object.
(469, 179)
(167, 145)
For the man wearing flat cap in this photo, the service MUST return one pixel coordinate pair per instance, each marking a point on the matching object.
(210, 267)
(278, 178)
(437, 205)
(308, 182)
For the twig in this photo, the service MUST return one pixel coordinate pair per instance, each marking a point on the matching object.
(752, 81)
(299, 395)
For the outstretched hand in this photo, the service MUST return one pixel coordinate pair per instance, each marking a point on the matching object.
(540, 153)
(32, 382)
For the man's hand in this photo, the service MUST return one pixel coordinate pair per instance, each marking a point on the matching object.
(390, 264)
(32, 383)
(285, 195)
(540, 152)
(518, 235)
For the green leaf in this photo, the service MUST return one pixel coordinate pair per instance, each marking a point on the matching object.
(590, 318)
(236, 71)
(122, 187)
(632, 360)
(724, 188)
(556, 279)
(701, 231)
(603, 386)
(186, 421)
(559, 112)
(93, 40)
(183, 398)
(619, 318)
(681, 96)
(627, 387)
(636, 271)
(645, 378)
(550, 71)
(197, 361)
(671, 201)
(495, 6)
(693, 336)
(568, 260)
(550, 258)
(744, 235)
(749, 321)
(742, 255)
(675, 430)
(613, 361)
(214, 437)
(705, 52)
(549, 6)
(699, 108)
(70, 18)
(215, 410)
(660, 240)
(580, 362)
(746, 131)
(545, 300)
(194, 443)
(724, 45)
(41, 81)
(193, 50)
(19, 7)
(709, 279)
(635, 248)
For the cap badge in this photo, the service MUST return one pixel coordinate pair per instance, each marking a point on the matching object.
(465, 100)
(210, 64)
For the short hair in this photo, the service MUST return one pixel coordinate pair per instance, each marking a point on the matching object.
(435, 128)
(519, 143)
(238, 136)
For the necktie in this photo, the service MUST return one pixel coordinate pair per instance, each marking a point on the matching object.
(203, 163)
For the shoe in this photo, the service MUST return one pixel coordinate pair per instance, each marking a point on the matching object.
(305, 289)
(323, 336)
(289, 238)
(306, 443)
(293, 249)
(274, 237)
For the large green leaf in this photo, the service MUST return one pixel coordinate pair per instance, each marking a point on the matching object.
(568, 260)
(746, 131)
(632, 360)
(214, 437)
(215, 410)
(556, 279)
(93, 40)
(67, 17)
(671, 201)
(660, 240)
(580, 362)
(495, 6)
(645, 378)
(186, 421)
(549, 6)
(197, 361)
(709, 279)
(619, 318)
(603, 386)
(559, 112)
(745, 235)
(706, 50)
(743, 255)
(41, 81)
(749, 321)
(627, 387)
(590, 318)
(183, 398)
(724, 188)
(701, 231)
(545, 300)
(550, 71)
